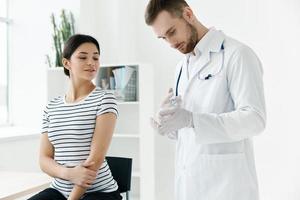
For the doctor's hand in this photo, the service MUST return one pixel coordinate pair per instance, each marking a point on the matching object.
(169, 102)
(174, 118)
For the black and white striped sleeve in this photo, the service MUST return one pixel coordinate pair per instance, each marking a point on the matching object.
(108, 104)
(45, 121)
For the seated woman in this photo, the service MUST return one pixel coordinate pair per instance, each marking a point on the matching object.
(77, 130)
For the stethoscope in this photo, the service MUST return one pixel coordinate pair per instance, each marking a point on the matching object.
(204, 78)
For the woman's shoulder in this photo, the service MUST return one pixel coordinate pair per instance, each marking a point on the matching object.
(106, 101)
(55, 101)
(103, 93)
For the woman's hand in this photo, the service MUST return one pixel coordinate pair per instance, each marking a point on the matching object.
(81, 175)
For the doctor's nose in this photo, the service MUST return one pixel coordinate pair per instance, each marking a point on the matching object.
(173, 43)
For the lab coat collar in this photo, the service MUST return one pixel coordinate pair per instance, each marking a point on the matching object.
(216, 41)
(210, 42)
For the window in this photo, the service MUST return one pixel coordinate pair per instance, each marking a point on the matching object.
(3, 8)
(4, 22)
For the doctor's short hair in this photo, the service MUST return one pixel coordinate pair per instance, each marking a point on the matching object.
(73, 43)
(154, 7)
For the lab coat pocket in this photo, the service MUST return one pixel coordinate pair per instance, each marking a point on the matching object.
(213, 69)
(221, 177)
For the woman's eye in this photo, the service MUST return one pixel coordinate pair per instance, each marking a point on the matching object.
(82, 58)
(96, 58)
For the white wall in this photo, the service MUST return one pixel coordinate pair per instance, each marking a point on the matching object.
(271, 29)
(113, 24)
(31, 40)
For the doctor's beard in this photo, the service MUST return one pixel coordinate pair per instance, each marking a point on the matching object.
(192, 40)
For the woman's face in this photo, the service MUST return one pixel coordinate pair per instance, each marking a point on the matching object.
(84, 62)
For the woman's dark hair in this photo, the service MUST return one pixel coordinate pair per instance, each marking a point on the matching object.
(73, 43)
(154, 7)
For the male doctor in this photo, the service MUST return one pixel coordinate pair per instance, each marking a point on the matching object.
(217, 109)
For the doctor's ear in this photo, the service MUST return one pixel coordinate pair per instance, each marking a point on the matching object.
(188, 14)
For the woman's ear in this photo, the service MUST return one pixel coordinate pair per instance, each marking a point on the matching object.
(188, 15)
(66, 63)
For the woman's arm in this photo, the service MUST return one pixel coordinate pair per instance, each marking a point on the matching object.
(47, 163)
(79, 175)
(104, 129)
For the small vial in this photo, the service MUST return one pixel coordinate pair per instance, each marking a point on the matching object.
(173, 101)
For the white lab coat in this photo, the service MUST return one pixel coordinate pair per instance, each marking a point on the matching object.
(214, 159)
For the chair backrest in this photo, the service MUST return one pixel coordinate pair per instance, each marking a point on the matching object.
(121, 171)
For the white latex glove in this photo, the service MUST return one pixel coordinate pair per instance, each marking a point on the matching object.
(174, 118)
(169, 102)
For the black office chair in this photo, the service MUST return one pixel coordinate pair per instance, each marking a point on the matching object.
(121, 171)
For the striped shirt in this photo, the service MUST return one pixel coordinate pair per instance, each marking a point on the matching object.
(70, 128)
